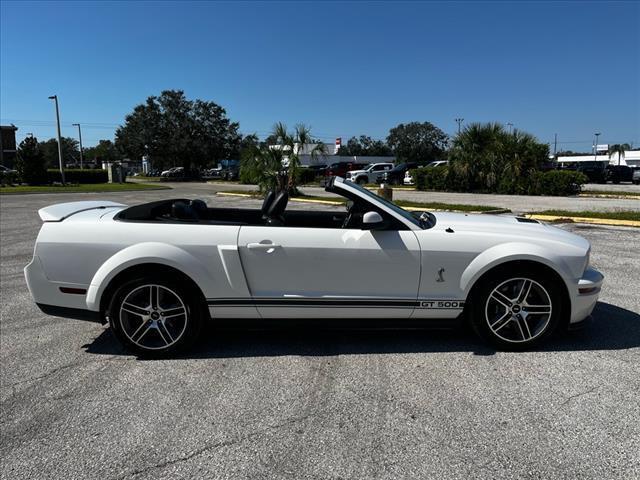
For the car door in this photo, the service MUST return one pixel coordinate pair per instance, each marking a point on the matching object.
(330, 272)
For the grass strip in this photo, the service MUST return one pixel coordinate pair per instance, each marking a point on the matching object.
(82, 188)
(619, 215)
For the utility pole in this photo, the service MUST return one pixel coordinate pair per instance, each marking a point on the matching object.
(595, 146)
(80, 138)
(510, 125)
(555, 145)
(459, 122)
(55, 99)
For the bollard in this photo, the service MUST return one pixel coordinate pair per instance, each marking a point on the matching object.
(386, 192)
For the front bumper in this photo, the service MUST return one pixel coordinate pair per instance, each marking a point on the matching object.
(585, 295)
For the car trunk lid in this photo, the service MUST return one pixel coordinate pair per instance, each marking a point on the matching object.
(60, 211)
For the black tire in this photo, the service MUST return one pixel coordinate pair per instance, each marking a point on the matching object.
(515, 324)
(160, 328)
(361, 180)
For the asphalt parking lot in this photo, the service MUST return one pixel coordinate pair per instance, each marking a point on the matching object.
(316, 404)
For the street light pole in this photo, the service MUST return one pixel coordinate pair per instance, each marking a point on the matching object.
(80, 138)
(595, 146)
(510, 125)
(459, 121)
(55, 99)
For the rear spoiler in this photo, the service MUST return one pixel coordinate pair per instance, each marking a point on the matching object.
(60, 211)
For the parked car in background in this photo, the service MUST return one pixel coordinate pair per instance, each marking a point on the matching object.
(395, 176)
(619, 173)
(408, 179)
(438, 163)
(232, 172)
(636, 176)
(180, 174)
(340, 169)
(172, 172)
(215, 172)
(368, 174)
(595, 171)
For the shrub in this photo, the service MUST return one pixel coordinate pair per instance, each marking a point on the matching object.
(431, 178)
(79, 176)
(9, 178)
(556, 183)
(306, 176)
(553, 183)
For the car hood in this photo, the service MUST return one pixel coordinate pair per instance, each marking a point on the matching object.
(507, 225)
(356, 172)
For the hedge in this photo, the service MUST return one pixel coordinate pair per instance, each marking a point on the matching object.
(79, 176)
(305, 176)
(553, 182)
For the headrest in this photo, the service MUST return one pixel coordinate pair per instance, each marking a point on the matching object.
(268, 200)
(199, 207)
(182, 211)
(279, 204)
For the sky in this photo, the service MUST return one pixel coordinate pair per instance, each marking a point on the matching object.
(344, 68)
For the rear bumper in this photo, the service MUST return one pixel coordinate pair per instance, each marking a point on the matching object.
(50, 298)
(585, 295)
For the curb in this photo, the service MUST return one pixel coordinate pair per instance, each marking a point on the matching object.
(592, 221)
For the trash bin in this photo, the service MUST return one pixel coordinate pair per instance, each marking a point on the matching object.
(386, 192)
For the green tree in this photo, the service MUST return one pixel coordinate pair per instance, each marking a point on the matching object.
(619, 148)
(173, 130)
(70, 151)
(104, 151)
(417, 142)
(30, 162)
(365, 146)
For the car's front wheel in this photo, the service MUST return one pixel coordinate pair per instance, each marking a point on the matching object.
(155, 317)
(515, 311)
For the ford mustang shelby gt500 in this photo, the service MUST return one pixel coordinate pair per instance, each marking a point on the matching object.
(157, 271)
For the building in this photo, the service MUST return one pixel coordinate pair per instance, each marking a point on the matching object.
(631, 158)
(8, 147)
(330, 156)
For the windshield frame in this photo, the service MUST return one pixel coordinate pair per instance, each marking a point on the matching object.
(405, 214)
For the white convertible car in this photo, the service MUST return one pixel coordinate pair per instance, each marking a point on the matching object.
(156, 272)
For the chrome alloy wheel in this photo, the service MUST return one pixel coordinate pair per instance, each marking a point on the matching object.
(153, 317)
(518, 310)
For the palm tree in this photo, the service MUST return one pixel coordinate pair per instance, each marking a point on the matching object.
(276, 166)
(619, 148)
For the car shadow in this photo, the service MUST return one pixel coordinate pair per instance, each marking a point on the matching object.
(612, 328)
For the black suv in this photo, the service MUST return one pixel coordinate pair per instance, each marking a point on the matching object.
(619, 173)
(395, 176)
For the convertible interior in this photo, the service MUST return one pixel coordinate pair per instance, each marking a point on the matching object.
(272, 213)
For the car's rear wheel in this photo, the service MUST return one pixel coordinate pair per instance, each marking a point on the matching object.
(155, 317)
(515, 311)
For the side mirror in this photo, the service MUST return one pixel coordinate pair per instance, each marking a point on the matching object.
(373, 221)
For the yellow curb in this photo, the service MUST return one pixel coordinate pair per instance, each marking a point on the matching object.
(593, 221)
(604, 195)
(233, 194)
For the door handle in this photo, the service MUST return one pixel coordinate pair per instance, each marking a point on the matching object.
(262, 246)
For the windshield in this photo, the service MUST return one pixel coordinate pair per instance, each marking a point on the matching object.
(400, 211)
(368, 166)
